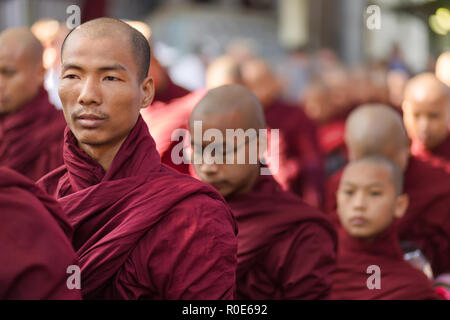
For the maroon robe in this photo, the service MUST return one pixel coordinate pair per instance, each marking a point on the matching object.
(437, 157)
(170, 92)
(301, 167)
(142, 230)
(398, 279)
(332, 143)
(35, 248)
(286, 249)
(31, 139)
(427, 219)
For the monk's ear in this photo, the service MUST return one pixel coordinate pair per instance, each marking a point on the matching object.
(148, 90)
(401, 205)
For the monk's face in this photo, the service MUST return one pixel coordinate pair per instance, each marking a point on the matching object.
(20, 77)
(231, 178)
(100, 89)
(367, 200)
(427, 122)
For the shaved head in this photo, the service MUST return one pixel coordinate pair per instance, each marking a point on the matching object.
(259, 77)
(24, 43)
(111, 28)
(229, 99)
(223, 70)
(376, 129)
(443, 68)
(21, 68)
(427, 88)
(396, 174)
(426, 109)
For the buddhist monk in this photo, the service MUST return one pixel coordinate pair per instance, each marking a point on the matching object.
(426, 110)
(35, 247)
(370, 263)
(141, 230)
(301, 167)
(286, 249)
(331, 127)
(379, 130)
(165, 119)
(31, 129)
(443, 68)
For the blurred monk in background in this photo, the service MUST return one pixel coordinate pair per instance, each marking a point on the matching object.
(31, 129)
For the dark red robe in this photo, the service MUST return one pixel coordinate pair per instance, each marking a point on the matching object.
(398, 279)
(142, 230)
(437, 157)
(35, 248)
(170, 92)
(427, 219)
(31, 139)
(301, 167)
(286, 249)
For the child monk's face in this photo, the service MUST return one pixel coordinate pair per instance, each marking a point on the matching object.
(367, 199)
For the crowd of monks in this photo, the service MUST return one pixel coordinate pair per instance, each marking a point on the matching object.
(357, 207)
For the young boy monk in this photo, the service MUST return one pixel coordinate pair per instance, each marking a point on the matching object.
(370, 262)
(286, 249)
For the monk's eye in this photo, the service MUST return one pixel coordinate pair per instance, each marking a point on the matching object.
(7, 72)
(433, 116)
(111, 78)
(70, 76)
(348, 192)
(375, 193)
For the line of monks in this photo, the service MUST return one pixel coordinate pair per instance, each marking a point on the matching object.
(360, 181)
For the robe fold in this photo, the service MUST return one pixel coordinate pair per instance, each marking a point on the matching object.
(35, 247)
(301, 167)
(427, 219)
(398, 280)
(31, 139)
(142, 230)
(437, 157)
(286, 249)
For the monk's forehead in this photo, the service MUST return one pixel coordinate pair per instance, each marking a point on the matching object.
(367, 172)
(220, 120)
(99, 50)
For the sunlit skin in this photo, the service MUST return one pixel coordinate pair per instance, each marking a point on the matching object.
(426, 108)
(228, 179)
(101, 92)
(21, 69)
(367, 200)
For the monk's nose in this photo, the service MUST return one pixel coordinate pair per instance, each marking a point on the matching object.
(359, 201)
(90, 93)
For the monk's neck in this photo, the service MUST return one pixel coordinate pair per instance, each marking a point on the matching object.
(103, 154)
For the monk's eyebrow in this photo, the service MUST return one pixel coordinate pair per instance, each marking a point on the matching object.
(369, 185)
(71, 66)
(113, 68)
